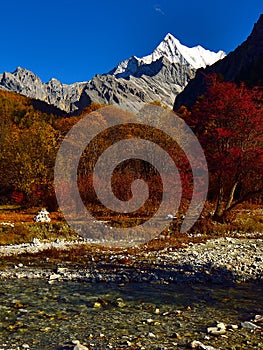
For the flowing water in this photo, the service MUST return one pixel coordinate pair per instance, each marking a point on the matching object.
(38, 315)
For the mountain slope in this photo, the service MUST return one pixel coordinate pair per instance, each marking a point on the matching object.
(159, 81)
(159, 76)
(243, 64)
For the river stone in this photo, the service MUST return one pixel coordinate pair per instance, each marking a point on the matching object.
(97, 305)
(258, 318)
(78, 346)
(249, 325)
(233, 327)
(198, 345)
(218, 330)
(120, 303)
(151, 335)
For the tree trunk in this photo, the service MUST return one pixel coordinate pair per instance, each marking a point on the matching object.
(231, 196)
(219, 206)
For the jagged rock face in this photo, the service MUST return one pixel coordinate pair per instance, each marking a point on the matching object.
(159, 76)
(160, 81)
(54, 92)
(243, 64)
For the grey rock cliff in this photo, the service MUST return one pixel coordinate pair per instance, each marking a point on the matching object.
(53, 92)
(159, 81)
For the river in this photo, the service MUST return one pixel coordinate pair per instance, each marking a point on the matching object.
(38, 315)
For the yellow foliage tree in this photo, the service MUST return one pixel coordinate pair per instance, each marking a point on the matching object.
(27, 157)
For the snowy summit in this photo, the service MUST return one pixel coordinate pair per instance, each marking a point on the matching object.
(175, 52)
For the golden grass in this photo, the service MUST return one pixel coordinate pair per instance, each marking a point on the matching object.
(248, 220)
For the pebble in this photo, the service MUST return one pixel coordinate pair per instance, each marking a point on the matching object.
(219, 329)
(120, 303)
(198, 345)
(258, 318)
(78, 346)
(150, 320)
(97, 305)
(234, 326)
(151, 335)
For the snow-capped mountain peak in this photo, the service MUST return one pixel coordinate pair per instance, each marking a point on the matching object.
(175, 52)
(160, 76)
(167, 48)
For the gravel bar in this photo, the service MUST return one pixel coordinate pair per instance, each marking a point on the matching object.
(217, 260)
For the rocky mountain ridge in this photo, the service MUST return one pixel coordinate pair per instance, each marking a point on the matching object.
(53, 92)
(160, 76)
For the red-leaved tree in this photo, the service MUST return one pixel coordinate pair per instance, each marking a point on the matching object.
(228, 120)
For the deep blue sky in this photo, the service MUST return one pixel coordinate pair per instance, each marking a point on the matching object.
(72, 40)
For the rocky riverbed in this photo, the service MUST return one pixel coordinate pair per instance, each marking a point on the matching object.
(38, 316)
(216, 260)
(201, 296)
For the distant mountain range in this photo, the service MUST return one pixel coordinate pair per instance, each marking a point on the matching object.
(245, 63)
(160, 76)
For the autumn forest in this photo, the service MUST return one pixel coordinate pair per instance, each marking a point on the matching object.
(227, 119)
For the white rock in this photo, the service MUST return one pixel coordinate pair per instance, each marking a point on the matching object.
(258, 318)
(36, 241)
(218, 330)
(221, 325)
(54, 276)
(42, 216)
(170, 216)
(198, 345)
(150, 320)
(151, 335)
(78, 346)
(234, 326)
